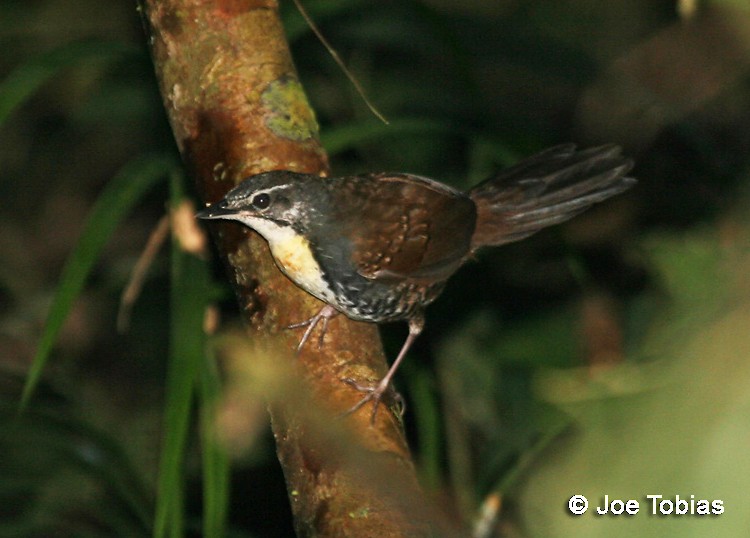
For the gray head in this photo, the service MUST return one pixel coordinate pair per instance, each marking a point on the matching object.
(268, 201)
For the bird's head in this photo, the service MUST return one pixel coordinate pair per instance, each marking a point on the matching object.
(271, 202)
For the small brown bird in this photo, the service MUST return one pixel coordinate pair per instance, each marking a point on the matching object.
(380, 247)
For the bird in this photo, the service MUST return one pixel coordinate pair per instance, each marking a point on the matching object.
(379, 247)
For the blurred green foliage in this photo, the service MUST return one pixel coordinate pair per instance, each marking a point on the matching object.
(677, 425)
(607, 356)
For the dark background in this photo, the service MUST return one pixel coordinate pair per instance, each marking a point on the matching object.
(604, 356)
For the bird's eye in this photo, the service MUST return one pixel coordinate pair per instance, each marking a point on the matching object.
(261, 201)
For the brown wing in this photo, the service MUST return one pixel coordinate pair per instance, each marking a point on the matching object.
(406, 226)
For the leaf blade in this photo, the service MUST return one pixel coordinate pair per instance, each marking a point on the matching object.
(189, 374)
(28, 77)
(117, 198)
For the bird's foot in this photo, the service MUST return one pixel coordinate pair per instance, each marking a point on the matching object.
(374, 394)
(324, 314)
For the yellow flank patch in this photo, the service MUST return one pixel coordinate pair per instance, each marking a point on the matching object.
(293, 255)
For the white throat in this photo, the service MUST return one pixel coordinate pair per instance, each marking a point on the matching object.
(292, 253)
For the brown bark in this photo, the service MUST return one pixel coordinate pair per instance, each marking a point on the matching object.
(236, 108)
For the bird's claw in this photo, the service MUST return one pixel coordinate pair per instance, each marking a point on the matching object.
(374, 394)
(324, 314)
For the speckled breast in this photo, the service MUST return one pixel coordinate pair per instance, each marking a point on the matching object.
(375, 301)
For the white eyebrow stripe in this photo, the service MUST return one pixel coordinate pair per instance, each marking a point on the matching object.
(277, 187)
(240, 198)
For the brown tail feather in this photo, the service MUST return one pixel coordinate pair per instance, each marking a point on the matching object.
(545, 189)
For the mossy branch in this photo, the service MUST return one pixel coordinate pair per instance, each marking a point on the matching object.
(237, 108)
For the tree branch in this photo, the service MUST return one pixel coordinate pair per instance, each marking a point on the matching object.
(236, 108)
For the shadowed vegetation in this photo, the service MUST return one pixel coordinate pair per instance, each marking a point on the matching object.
(604, 356)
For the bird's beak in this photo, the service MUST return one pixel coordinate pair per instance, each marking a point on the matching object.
(219, 210)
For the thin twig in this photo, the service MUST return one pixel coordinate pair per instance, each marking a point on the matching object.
(340, 62)
(133, 290)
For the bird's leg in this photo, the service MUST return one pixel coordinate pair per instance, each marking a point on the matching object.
(325, 314)
(375, 393)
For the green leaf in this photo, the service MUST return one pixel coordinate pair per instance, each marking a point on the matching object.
(188, 372)
(70, 450)
(117, 199)
(27, 78)
(215, 460)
